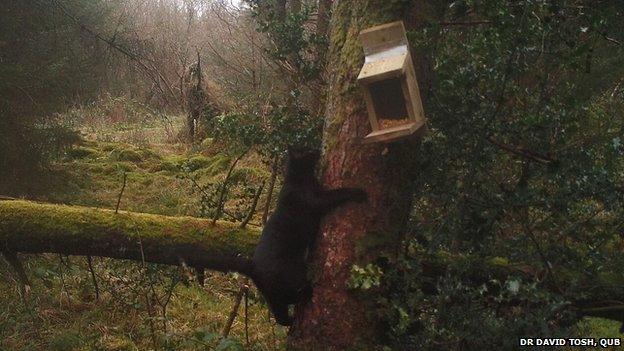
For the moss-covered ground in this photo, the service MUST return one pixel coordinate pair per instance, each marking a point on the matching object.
(135, 310)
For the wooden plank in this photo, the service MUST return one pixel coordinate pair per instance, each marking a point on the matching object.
(409, 106)
(383, 69)
(394, 133)
(383, 36)
(414, 92)
(370, 107)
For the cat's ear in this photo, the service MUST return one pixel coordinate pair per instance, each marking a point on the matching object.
(314, 156)
(296, 152)
(303, 155)
(291, 151)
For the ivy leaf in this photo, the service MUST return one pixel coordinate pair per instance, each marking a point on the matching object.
(513, 286)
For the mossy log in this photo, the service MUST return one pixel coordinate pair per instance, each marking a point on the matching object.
(30, 227)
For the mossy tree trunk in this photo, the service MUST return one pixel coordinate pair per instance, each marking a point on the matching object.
(337, 318)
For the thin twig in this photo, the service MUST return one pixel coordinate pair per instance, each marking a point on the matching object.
(93, 278)
(148, 300)
(617, 308)
(247, 317)
(522, 152)
(211, 203)
(220, 202)
(273, 336)
(614, 41)
(617, 87)
(529, 233)
(254, 204)
(267, 205)
(62, 276)
(234, 312)
(123, 187)
(174, 282)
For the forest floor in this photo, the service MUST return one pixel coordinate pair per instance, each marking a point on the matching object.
(134, 311)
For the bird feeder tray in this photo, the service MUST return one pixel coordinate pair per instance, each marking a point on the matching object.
(388, 81)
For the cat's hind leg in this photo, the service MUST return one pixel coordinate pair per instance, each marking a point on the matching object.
(280, 312)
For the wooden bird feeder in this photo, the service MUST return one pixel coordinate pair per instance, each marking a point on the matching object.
(389, 84)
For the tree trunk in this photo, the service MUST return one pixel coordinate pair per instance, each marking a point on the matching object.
(336, 318)
(323, 17)
(295, 6)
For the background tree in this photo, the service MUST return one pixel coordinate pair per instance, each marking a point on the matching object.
(43, 60)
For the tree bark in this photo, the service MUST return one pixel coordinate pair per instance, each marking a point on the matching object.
(336, 318)
(280, 9)
(295, 6)
(322, 23)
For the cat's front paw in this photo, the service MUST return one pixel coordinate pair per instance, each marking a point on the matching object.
(305, 293)
(358, 195)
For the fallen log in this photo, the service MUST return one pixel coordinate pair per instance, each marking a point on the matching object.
(29, 227)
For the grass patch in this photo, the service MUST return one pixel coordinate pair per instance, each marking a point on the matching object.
(62, 312)
(79, 152)
(125, 155)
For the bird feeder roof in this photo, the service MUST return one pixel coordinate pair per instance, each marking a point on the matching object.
(386, 52)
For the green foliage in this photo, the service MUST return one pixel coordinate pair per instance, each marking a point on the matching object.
(238, 193)
(366, 277)
(293, 41)
(467, 308)
(166, 165)
(218, 163)
(289, 114)
(523, 163)
(270, 130)
(71, 319)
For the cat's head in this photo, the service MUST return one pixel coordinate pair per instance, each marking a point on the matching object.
(302, 159)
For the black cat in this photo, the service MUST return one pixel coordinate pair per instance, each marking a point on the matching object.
(278, 267)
